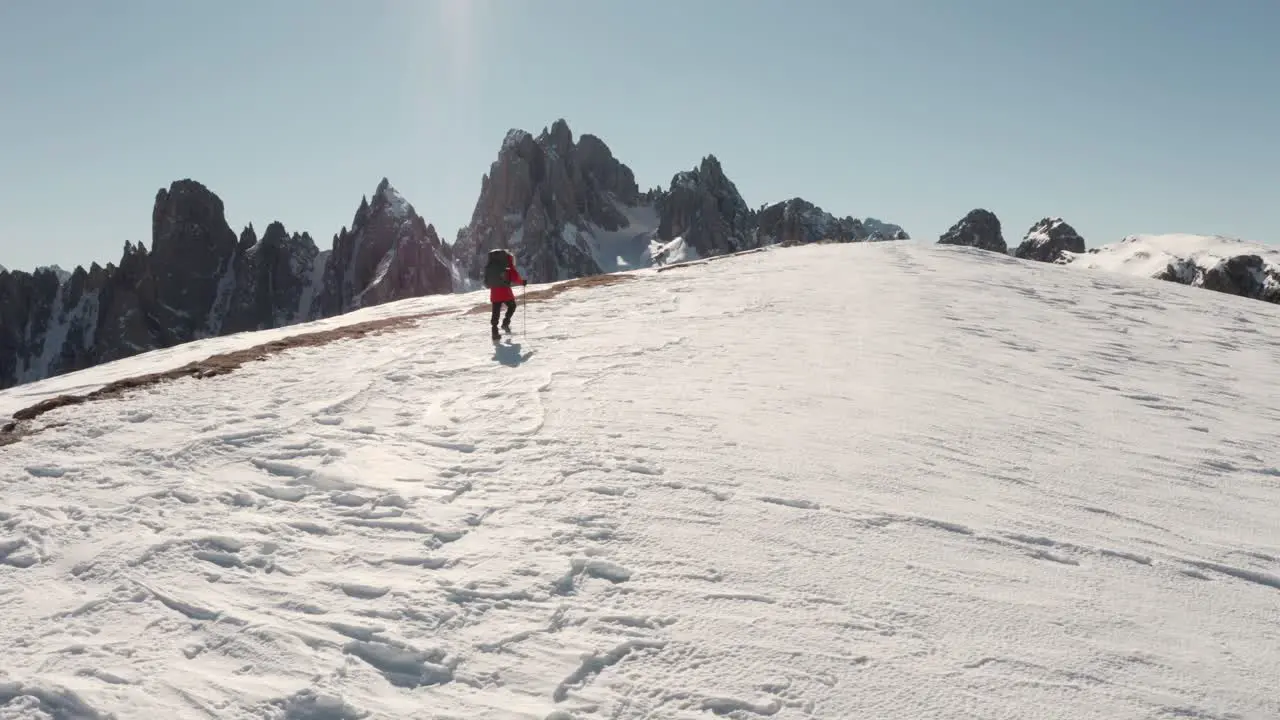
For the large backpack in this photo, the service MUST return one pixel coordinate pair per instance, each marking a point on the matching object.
(495, 271)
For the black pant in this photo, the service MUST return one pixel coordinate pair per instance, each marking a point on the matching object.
(497, 308)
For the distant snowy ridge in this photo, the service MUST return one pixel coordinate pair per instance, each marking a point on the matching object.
(1213, 262)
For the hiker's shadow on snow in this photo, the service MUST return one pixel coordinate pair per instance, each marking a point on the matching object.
(508, 353)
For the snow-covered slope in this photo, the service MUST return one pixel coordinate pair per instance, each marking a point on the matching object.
(843, 481)
(154, 361)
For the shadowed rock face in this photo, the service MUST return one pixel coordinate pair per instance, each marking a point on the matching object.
(390, 253)
(1243, 275)
(201, 280)
(192, 250)
(1048, 239)
(980, 229)
(271, 278)
(800, 222)
(704, 207)
(1246, 275)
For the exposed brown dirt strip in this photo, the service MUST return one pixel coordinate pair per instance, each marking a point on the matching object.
(224, 363)
(548, 293)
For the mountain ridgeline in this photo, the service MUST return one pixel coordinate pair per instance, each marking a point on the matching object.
(565, 208)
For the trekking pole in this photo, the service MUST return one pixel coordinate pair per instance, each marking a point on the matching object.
(524, 321)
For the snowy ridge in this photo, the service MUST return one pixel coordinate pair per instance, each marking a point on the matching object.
(1052, 494)
(1149, 255)
(1185, 258)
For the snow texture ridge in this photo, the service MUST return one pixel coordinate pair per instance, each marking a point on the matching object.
(1011, 490)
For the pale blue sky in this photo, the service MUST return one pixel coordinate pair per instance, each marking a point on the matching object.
(1122, 116)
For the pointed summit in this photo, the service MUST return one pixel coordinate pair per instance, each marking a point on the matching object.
(387, 254)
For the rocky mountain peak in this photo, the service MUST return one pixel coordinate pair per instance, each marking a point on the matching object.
(1047, 239)
(597, 164)
(192, 248)
(549, 200)
(559, 139)
(388, 254)
(200, 278)
(248, 238)
(800, 222)
(704, 208)
(979, 228)
(275, 236)
(570, 208)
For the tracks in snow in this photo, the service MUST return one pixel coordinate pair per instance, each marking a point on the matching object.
(427, 529)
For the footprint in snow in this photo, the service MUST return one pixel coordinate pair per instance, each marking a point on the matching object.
(791, 502)
(591, 567)
(364, 592)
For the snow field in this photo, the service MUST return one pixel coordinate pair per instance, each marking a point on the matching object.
(878, 480)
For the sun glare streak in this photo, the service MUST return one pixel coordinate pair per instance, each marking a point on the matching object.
(458, 20)
(443, 59)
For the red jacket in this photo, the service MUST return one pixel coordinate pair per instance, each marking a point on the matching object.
(506, 294)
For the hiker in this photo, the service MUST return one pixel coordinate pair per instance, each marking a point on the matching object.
(499, 275)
